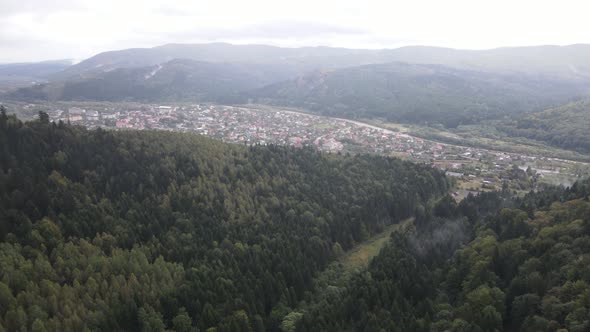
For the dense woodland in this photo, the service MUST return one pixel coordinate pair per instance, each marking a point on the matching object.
(152, 230)
(490, 263)
(565, 126)
(423, 94)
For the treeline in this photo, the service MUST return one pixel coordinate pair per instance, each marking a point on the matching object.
(490, 263)
(155, 230)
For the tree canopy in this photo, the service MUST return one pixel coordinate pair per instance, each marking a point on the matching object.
(156, 230)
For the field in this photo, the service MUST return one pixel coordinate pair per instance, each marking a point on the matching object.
(484, 136)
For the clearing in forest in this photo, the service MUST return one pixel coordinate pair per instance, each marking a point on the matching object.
(360, 255)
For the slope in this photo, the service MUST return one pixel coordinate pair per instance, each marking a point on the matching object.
(152, 230)
(522, 268)
(14, 75)
(571, 62)
(401, 92)
(564, 126)
(177, 80)
(297, 60)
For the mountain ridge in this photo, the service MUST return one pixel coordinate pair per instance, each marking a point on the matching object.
(521, 59)
(177, 79)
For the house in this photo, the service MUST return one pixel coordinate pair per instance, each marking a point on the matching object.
(454, 174)
(488, 180)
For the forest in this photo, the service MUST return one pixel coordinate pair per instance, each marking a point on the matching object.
(565, 126)
(155, 231)
(490, 263)
(418, 94)
(148, 230)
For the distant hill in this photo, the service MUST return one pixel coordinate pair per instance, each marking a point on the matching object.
(14, 75)
(562, 61)
(566, 126)
(33, 69)
(298, 60)
(179, 79)
(419, 93)
(571, 61)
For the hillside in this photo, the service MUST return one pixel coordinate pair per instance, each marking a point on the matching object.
(545, 61)
(32, 70)
(565, 126)
(490, 263)
(402, 92)
(296, 60)
(570, 62)
(151, 230)
(175, 231)
(14, 75)
(176, 80)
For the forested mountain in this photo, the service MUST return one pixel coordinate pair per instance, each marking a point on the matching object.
(32, 70)
(404, 92)
(297, 60)
(568, 62)
(559, 61)
(488, 264)
(566, 126)
(14, 75)
(150, 230)
(175, 80)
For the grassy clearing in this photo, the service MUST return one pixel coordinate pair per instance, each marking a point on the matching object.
(336, 277)
(360, 256)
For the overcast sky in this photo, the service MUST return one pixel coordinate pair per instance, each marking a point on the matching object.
(33, 30)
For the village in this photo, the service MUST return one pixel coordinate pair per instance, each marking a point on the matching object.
(473, 169)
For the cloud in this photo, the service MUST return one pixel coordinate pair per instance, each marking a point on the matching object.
(40, 29)
(273, 29)
(11, 7)
(167, 10)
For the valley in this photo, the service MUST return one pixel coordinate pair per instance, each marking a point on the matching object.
(260, 166)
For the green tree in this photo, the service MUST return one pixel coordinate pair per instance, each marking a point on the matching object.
(43, 117)
(6, 298)
(182, 321)
(38, 326)
(150, 320)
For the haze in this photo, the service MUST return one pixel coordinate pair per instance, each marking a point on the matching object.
(34, 30)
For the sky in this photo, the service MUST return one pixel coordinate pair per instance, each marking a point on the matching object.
(35, 30)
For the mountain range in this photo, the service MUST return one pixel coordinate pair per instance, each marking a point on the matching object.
(571, 61)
